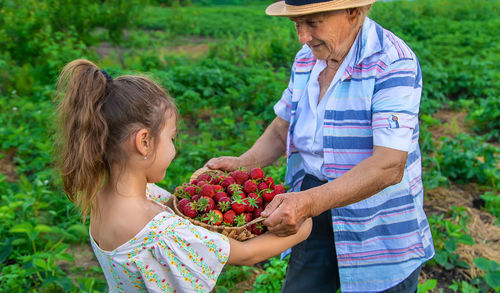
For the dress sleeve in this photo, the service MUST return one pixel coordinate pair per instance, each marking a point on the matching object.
(186, 257)
(396, 102)
(158, 194)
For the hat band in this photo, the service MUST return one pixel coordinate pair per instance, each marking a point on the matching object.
(303, 2)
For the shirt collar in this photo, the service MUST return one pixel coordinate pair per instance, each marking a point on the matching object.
(368, 42)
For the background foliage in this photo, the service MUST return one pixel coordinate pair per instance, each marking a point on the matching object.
(224, 89)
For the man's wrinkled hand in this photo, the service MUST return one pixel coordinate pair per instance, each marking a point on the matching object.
(286, 212)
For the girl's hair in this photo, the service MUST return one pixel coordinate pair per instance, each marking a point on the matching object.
(96, 115)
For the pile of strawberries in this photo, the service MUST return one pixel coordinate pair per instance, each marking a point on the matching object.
(231, 200)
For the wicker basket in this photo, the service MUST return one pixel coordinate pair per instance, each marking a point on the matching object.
(239, 233)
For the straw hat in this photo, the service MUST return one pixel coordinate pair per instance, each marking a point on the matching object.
(302, 7)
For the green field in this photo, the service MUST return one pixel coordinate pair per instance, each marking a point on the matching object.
(226, 63)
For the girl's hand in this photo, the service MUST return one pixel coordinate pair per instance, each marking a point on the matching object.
(224, 163)
(286, 212)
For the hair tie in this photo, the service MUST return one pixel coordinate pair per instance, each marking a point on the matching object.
(108, 77)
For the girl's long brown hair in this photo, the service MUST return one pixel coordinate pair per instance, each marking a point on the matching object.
(96, 115)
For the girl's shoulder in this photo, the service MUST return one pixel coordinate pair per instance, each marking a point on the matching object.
(157, 194)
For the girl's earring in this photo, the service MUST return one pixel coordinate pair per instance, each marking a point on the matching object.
(145, 158)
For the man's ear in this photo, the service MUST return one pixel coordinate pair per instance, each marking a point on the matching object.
(353, 14)
(143, 142)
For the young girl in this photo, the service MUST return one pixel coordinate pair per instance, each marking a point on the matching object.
(116, 138)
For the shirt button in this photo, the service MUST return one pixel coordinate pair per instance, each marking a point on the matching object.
(394, 118)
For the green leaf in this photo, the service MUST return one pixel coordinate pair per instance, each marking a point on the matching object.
(38, 262)
(482, 263)
(493, 279)
(428, 285)
(450, 245)
(43, 228)
(24, 227)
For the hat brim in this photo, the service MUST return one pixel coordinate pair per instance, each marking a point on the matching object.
(282, 9)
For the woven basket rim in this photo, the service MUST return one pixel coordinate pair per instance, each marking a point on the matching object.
(202, 170)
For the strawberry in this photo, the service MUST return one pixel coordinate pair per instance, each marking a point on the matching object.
(224, 204)
(269, 181)
(190, 210)
(258, 228)
(205, 177)
(268, 195)
(207, 190)
(200, 183)
(233, 188)
(217, 188)
(195, 197)
(257, 174)
(192, 189)
(262, 186)
(205, 204)
(257, 212)
(219, 195)
(249, 186)
(248, 216)
(278, 189)
(251, 204)
(238, 205)
(182, 204)
(258, 198)
(194, 182)
(213, 217)
(216, 180)
(240, 220)
(229, 217)
(227, 181)
(180, 192)
(239, 176)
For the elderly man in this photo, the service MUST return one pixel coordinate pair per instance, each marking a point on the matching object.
(348, 123)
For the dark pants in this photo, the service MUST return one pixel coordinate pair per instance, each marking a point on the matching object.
(313, 262)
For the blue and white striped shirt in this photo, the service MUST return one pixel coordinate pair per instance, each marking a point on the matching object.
(382, 239)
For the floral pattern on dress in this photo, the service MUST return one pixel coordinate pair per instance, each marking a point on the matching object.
(169, 254)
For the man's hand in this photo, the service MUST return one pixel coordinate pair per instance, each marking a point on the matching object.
(224, 163)
(287, 212)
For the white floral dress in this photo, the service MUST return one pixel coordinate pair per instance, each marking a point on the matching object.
(168, 255)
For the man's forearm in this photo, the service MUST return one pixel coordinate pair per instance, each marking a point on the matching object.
(364, 180)
(270, 146)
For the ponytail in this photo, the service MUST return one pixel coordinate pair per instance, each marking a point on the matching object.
(83, 131)
(96, 115)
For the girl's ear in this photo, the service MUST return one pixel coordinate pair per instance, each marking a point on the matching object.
(143, 142)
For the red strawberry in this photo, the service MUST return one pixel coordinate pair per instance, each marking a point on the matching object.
(219, 195)
(190, 210)
(256, 174)
(229, 217)
(216, 180)
(195, 197)
(238, 205)
(194, 182)
(258, 199)
(218, 188)
(207, 190)
(269, 181)
(192, 189)
(239, 176)
(251, 204)
(262, 186)
(227, 181)
(278, 189)
(248, 216)
(268, 195)
(213, 217)
(224, 204)
(205, 204)
(257, 212)
(200, 183)
(249, 186)
(180, 192)
(205, 177)
(182, 204)
(258, 228)
(240, 220)
(233, 188)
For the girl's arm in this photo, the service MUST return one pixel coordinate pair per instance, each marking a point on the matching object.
(265, 246)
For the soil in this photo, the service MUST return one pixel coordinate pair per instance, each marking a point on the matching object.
(7, 165)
